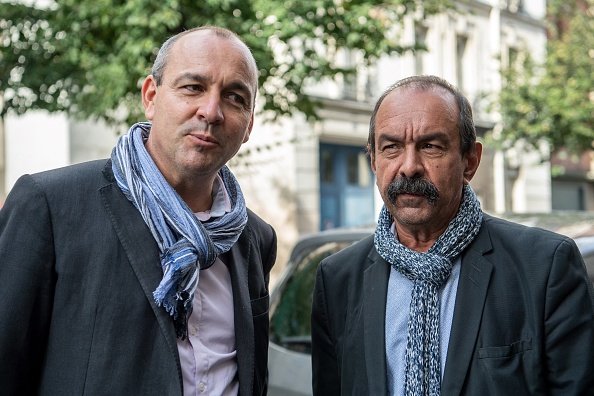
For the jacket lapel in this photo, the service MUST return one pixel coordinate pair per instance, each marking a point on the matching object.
(244, 336)
(470, 299)
(375, 285)
(141, 251)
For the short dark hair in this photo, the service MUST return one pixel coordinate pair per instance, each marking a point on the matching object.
(426, 83)
(161, 59)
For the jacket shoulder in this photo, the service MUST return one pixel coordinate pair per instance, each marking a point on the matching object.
(516, 234)
(263, 237)
(524, 252)
(74, 175)
(259, 227)
(73, 182)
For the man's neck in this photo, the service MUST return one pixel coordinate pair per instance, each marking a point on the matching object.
(419, 239)
(198, 196)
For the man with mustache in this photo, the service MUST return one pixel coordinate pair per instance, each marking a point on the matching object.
(145, 274)
(443, 298)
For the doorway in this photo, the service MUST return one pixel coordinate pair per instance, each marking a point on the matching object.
(346, 187)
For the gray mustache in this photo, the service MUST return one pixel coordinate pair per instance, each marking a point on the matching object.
(415, 185)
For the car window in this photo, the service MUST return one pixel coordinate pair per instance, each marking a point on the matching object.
(290, 325)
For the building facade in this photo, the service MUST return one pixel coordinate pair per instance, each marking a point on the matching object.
(303, 177)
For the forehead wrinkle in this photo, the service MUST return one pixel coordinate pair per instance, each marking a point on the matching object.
(400, 120)
(415, 116)
(198, 77)
(190, 77)
(449, 98)
(245, 55)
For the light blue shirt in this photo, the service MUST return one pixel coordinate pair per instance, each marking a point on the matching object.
(397, 312)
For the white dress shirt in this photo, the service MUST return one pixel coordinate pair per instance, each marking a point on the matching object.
(208, 356)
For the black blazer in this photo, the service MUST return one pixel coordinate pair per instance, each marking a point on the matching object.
(523, 321)
(78, 267)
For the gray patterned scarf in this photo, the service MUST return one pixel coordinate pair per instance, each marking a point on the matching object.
(428, 271)
(186, 244)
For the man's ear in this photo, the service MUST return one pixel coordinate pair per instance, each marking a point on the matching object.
(472, 161)
(149, 93)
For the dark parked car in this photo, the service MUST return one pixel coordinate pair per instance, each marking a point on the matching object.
(290, 330)
(289, 356)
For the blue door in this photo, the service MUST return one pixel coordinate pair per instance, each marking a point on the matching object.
(346, 187)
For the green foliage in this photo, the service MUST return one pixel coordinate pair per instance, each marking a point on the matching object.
(553, 102)
(89, 57)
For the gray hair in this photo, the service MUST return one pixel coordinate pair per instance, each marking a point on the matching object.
(426, 83)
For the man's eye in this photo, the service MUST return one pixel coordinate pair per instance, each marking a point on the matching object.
(193, 87)
(432, 148)
(236, 98)
(391, 147)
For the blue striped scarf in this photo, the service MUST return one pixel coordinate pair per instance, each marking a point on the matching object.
(428, 271)
(186, 244)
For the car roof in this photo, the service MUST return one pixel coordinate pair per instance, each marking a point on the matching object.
(310, 242)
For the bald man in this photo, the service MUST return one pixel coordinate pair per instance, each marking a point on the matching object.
(145, 273)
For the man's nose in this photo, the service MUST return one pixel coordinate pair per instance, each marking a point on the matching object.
(209, 109)
(412, 164)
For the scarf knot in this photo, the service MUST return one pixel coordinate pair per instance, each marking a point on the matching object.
(426, 267)
(428, 271)
(186, 244)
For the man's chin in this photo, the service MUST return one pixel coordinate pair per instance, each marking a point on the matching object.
(411, 201)
(412, 215)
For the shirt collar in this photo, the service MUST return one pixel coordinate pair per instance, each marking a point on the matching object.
(221, 203)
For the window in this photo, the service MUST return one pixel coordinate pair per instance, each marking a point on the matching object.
(514, 5)
(461, 48)
(358, 170)
(346, 187)
(512, 56)
(327, 166)
(361, 83)
(420, 41)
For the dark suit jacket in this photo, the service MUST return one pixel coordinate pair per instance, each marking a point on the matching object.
(523, 321)
(78, 267)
